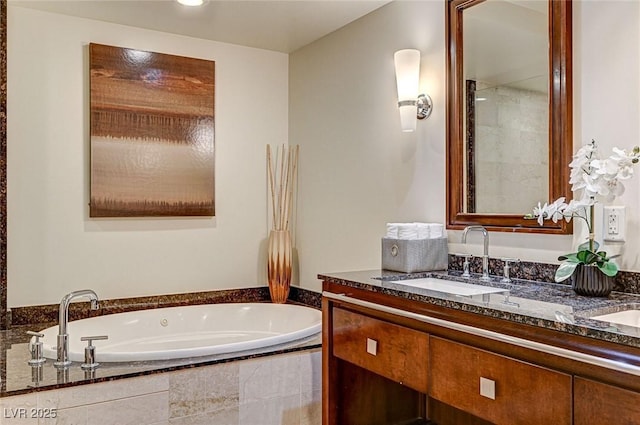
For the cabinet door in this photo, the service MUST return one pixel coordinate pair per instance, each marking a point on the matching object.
(499, 389)
(596, 403)
(393, 351)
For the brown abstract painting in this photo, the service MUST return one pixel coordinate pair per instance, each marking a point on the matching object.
(152, 134)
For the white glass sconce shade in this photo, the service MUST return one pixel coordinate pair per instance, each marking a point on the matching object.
(191, 2)
(412, 106)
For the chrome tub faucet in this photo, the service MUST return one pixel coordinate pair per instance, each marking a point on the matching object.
(62, 349)
(485, 256)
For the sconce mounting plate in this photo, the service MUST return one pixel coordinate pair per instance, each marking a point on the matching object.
(425, 106)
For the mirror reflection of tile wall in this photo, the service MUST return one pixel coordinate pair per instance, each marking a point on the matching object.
(512, 152)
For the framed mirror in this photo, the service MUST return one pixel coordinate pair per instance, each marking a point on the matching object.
(509, 112)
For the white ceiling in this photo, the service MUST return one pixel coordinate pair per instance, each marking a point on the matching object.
(284, 25)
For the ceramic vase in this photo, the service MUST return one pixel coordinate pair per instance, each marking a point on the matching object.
(590, 281)
(279, 265)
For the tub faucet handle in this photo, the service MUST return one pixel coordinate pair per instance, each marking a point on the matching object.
(90, 351)
(36, 349)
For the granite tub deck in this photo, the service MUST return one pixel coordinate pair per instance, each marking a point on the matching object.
(546, 305)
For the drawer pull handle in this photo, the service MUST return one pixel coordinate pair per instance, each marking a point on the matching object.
(372, 346)
(487, 388)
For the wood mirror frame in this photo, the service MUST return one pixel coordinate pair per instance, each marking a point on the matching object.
(3, 165)
(560, 123)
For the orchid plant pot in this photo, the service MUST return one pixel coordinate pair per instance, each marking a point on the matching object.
(588, 280)
(279, 265)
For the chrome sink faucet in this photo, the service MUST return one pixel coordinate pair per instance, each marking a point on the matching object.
(485, 256)
(62, 349)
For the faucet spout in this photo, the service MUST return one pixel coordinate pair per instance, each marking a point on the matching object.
(62, 349)
(485, 255)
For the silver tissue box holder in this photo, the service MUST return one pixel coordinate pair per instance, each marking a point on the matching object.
(415, 255)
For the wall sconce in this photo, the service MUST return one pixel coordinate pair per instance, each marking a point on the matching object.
(191, 2)
(412, 106)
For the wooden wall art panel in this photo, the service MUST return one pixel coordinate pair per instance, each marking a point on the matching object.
(152, 134)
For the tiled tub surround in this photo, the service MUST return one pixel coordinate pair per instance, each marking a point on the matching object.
(279, 390)
(17, 377)
(294, 397)
(545, 305)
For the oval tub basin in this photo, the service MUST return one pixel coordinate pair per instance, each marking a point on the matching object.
(188, 331)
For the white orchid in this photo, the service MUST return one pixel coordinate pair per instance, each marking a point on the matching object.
(592, 180)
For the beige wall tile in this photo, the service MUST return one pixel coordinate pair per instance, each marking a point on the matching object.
(72, 416)
(272, 377)
(311, 371)
(186, 393)
(221, 386)
(103, 391)
(19, 410)
(273, 411)
(141, 410)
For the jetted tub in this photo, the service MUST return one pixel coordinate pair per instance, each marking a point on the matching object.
(189, 331)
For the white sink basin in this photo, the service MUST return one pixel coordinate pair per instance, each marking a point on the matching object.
(449, 286)
(627, 317)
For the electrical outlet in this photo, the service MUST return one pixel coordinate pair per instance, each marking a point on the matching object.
(614, 224)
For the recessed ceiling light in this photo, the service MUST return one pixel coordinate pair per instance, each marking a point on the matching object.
(191, 2)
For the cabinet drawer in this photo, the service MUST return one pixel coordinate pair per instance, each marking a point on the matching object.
(393, 351)
(596, 403)
(499, 389)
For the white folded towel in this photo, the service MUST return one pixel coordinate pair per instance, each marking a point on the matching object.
(392, 230)
(415, 230)
(424, 230)
(408, 231)
(436, 230)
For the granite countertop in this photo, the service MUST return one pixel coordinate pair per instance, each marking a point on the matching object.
(17, 377)
(548, 305)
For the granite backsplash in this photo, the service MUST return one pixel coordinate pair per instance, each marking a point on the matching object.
(627, 282)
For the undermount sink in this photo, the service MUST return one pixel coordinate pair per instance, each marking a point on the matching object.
(449, 286)
(629, 317)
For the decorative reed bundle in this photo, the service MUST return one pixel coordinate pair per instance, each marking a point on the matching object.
(282, 172)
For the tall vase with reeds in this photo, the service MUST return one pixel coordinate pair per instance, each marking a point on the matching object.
(282, 170)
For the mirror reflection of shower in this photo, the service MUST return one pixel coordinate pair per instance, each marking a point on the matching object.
(507, 131)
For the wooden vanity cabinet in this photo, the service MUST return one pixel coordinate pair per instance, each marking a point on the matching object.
(499, 389)
(395, 352)
(384, 363)
(595, 403)
(379, 371)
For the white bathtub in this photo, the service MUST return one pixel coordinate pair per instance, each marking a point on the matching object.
(190, 331)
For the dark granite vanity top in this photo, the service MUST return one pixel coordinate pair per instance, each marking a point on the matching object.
(548, 305)
(17, 377)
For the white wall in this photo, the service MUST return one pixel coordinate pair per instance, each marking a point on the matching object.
(53, 246)
(358, 171)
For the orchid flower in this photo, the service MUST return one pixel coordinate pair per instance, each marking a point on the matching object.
(592, 180)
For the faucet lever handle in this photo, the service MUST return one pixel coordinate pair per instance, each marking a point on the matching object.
(36, 349)
(90, 352)
(90, 339)
(507, 266)
(465, 264)
(38, 335)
